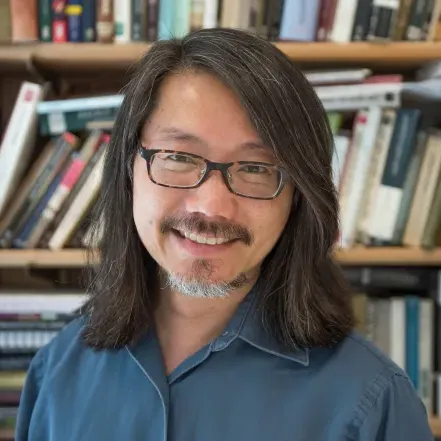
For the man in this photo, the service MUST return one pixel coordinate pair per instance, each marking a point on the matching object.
(217, 312)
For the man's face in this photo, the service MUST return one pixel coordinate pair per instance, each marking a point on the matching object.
(197, 114)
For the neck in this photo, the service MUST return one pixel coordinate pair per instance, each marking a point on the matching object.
(185, 324)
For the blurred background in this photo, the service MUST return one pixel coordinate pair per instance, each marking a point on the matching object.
(376, 66)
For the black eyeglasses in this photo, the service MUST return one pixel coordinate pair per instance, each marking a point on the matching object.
(256, 180)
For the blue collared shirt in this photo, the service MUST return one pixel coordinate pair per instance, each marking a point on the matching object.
(241, 387)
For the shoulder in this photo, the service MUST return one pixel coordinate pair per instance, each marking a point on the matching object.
(66, 345)
(379, 393)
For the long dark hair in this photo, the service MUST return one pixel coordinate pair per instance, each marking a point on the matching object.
(303, 294)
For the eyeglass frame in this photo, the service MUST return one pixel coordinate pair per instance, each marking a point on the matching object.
(223, 167)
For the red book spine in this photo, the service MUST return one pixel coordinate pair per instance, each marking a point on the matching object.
(59, 21)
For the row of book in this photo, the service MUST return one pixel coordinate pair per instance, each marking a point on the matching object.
(403, 328)
(123, 21)
(51, 205)
(28, 321)
(398, 310)
(387, 169)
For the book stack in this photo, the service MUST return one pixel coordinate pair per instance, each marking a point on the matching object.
(28, 321)
(48, 206)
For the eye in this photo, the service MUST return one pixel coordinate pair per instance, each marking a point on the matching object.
(176, 157)
(254, 169)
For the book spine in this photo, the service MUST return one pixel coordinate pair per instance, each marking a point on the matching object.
(343, 21)
(152, 19)
(59, 22)
(424, 193)
(414, 29)
(24, 20)
(58, 123)
(361, 21)
(45, 20)
(210, 13)
(323, 19)
(409, 189)
(426, 355)
(370, 122)
(275, 19)
(181, 18)
(389, 196)
(383, 19)
(412, 339)
(430, 9)
(17, 143)
(76, 211)
(139, 20)
(197, 15)
(299, 20)
(74, 16)
(122, 13)
(105, 30)
(89, 20)
(375, 172)
(402, 20)
(434, 21)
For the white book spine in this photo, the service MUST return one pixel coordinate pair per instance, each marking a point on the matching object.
(352, 207)
(377, 167)
(343, 21)
(18, 141)
(397, 325)
(210, 13)
(123, 20)
(341, 147)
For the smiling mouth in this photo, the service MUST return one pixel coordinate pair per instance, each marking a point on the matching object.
(203, 239)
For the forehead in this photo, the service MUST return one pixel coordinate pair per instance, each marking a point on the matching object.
(193, 107)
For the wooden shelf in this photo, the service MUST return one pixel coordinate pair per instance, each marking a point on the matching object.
(7, 434)
(13, 58)
(75, 258)
(435, 424)
(389, 256)
(68, 258)
(87, 57)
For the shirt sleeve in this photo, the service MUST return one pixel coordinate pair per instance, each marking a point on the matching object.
(28, 398)
(397, 414)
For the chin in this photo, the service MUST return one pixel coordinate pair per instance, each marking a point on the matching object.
(201, 279)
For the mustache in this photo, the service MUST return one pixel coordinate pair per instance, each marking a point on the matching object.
(198, 225)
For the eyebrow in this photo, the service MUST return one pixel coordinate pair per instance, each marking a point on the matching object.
(175, 134)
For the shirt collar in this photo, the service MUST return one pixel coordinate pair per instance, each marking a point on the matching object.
(247, 324)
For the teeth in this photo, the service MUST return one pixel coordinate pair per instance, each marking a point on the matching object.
(203, 239)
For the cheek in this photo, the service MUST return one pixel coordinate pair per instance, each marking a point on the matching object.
(271, 217)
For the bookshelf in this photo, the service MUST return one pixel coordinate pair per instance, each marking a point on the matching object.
(85, 57)
(357, 256)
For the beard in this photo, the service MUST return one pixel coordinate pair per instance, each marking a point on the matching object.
(198, 284)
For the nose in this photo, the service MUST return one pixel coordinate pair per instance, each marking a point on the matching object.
(212, 198)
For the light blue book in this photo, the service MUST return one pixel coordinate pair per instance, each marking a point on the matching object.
(299, 20)
(166, 28)
(182, 12)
